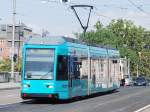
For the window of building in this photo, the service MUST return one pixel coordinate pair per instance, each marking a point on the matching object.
(1, 50)
(3, 28)
(102, 65)
(114, 61)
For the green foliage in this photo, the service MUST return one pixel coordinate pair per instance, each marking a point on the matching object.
(5, 65)
(128, 38)
(18, 65)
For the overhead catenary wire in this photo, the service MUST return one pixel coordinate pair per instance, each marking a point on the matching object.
(71, 3)
(96, 11)
(138, 7)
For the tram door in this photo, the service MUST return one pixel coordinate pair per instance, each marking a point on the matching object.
(70, 74)
(74, 76)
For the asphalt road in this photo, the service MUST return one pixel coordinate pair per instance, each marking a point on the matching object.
(9, 96)
(126, 99)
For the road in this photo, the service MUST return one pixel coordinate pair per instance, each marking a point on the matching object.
(127, 99)
(9, 96)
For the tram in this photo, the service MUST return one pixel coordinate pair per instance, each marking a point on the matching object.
(63, 68)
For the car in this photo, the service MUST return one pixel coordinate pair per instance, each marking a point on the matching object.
(128, 81)
(148, 81)
(140, 81)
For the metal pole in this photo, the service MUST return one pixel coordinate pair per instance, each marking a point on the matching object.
(13, 38)
(137, 75)
(108, 67)
(89, 70)
(84, 34)
(129, 67)
(19, 43)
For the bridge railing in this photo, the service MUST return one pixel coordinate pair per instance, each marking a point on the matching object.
(5, 77)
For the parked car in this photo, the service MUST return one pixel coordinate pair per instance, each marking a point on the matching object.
(148, 81)
(140, 81)
(128, 81)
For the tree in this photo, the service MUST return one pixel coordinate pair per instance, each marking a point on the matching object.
(18, 65)
(5, 65)
(129, 38)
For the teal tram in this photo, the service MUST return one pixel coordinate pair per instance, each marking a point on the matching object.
(63, 68)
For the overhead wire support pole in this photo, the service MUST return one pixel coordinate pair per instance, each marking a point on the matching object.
(72, 7)
(13, 38)
(87, 25)
(84, 6)
(84, 31)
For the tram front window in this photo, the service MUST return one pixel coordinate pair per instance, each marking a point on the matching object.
(39, 64)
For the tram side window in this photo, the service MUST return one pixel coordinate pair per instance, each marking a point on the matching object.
(75, 66)
(62, 68)
(84, 68)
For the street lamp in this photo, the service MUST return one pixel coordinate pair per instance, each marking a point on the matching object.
(13, 38)
(138, 71)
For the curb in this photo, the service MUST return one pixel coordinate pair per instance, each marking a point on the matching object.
(10, 88)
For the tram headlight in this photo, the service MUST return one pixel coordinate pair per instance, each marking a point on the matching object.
(50, 86)
(26, 85)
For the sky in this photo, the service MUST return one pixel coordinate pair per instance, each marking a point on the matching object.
(59, 19)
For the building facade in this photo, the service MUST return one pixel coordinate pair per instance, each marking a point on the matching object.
(21, 32)
(125, 68)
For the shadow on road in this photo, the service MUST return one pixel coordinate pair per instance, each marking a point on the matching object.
(75, 99)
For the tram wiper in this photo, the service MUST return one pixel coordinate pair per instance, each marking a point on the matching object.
(29, 75)
(46, 74)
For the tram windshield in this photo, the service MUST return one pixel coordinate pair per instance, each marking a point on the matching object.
(39, 64)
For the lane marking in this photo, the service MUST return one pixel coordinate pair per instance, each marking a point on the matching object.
(9, 104)
(125, 107)
(11, 95)
(116, 100)
(121, 98)
(143, 108)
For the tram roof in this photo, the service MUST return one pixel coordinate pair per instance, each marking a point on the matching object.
(55, 40)
(58, 40)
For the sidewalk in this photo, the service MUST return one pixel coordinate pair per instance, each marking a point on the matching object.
(10, 85)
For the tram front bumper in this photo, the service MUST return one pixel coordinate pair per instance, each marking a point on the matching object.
(38, 96)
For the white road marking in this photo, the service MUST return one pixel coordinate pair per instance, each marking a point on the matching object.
(10, 95)
(8, 104)
(142, 109)
(119, 99)
(125, 107)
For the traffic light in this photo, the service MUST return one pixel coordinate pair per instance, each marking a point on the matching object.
(15, 57)
(21, 33)
(64, 1)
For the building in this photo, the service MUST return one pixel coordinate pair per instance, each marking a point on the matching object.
(21, 32)
(124, 68)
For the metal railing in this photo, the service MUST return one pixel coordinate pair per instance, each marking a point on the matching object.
(6, 76)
